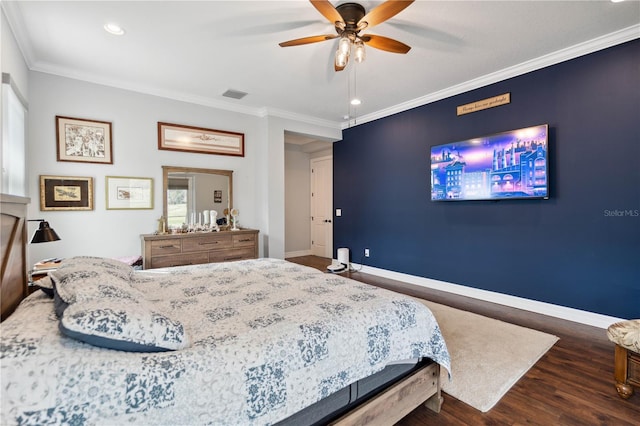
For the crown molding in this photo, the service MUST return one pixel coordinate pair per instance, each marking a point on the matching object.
(261, 112)
(177, 95)
(288, 115)
(16, 23)
(581, 49)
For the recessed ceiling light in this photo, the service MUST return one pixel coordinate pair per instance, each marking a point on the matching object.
(114, 29)
(355, 101)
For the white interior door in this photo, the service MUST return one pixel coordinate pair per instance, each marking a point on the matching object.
(322, 206)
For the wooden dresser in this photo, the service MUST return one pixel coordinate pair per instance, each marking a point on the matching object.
(159, 251)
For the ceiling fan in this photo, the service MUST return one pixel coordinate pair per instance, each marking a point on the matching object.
(351, 18)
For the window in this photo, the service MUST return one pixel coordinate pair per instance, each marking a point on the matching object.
(14, 113)
(178, 201)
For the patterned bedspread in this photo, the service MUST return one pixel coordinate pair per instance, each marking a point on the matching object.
(268, 338)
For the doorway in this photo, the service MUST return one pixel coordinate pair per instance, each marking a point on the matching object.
(300, 152)
(322, 206)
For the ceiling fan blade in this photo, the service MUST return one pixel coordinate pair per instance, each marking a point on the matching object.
(383, 12)
(385, 43)
(327, 10)
(307, 40)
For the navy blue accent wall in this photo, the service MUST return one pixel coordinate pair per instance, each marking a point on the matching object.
(580, 248)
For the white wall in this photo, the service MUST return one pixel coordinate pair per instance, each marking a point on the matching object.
(297, 202)
(134, 118)
(258, 178)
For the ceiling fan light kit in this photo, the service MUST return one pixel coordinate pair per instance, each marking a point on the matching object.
(351, 18)
(359, 53)
(341, 60)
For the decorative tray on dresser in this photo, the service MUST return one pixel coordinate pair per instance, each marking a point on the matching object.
(162, 250)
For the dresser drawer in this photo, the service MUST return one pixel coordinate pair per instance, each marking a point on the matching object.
(163, 247)
(244, 240)
(162, 251)
(231, 254)
(208, 242)
(179, 260)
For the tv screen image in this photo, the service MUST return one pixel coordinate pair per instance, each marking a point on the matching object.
(507, 165)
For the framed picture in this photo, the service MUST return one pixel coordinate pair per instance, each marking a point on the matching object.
(84, 141)
(175, 137)
(129, 193)
(66, 193)
(217, 196)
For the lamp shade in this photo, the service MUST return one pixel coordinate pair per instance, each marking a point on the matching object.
(44, 233)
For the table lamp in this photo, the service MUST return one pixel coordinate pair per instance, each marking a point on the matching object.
(44, 233)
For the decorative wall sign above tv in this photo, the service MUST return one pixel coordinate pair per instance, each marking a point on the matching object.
(495, 101)
(176, 137)
(508, 165)
(84, 141)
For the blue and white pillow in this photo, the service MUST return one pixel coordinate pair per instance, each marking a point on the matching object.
(96, 304)
(123, 325)
(86, 278)
(103, 264)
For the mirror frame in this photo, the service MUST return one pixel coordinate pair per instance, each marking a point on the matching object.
(168, 169)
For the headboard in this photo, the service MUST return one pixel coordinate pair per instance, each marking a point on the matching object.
(13, 233)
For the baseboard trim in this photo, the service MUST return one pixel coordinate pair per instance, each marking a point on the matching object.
(297, 253)
(557, 311)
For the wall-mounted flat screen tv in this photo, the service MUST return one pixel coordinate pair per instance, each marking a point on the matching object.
(507, 165)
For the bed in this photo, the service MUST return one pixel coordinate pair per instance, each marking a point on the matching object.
(252, 342)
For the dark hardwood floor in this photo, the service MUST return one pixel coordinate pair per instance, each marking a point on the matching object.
(572, 384)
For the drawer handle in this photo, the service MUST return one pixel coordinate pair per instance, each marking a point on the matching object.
(210, 242)
(246, 240)
(169, 246)
(233, 258)
(182, 264)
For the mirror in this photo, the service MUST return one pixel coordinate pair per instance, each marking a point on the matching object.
(187, 192)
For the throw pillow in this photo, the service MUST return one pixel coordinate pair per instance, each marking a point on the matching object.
(123, 325)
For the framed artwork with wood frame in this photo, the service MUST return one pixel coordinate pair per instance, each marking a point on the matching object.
(66, 193)
(176, 137)
(84, 141)
(129, 193)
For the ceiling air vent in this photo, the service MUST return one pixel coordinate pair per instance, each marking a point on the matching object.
(235, 94)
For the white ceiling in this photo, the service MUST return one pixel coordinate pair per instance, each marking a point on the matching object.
(197, 50)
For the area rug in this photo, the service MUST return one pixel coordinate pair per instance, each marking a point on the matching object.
(487, 356)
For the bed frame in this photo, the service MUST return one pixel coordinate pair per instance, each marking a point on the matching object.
(395, 402)
(13, 233)
(384, 408)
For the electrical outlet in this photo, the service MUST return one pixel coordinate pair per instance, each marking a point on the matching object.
(366, 252)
